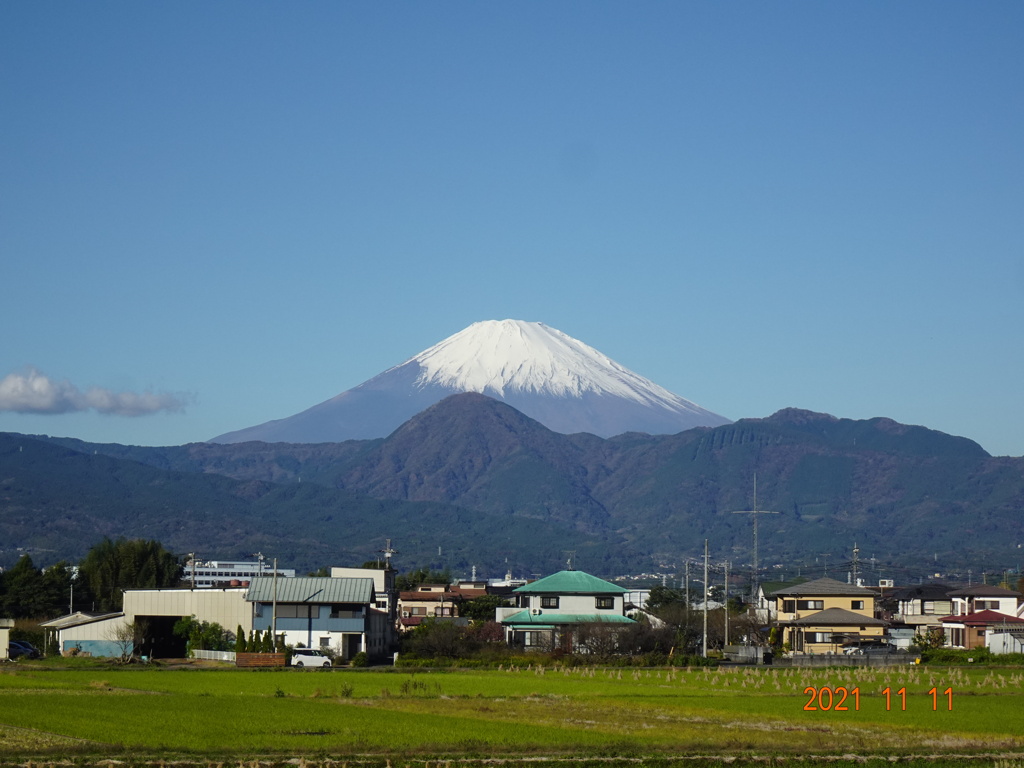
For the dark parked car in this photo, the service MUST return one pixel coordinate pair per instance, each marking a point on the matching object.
(17, 649)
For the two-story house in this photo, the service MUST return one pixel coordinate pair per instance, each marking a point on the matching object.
(554, 611)
(428, 601)
(984, 616)
(822, 615)
(337, 614)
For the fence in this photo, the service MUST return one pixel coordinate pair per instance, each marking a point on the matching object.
(214, 655)
(853, 660)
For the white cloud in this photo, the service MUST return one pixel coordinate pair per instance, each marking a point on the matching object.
(34, 392)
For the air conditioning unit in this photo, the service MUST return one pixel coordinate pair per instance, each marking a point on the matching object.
(536, 611)
(405, 614)
(885, 582)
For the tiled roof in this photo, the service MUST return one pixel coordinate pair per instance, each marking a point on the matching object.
(571, 583)
(547, 619)
(430, 597)
(315, 590)
(931, 591)
(981, 619)
(836, 617)
(823, 588)
(768, 587)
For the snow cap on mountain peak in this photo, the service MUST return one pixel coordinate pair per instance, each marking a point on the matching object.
(502, 357)
(545, 374)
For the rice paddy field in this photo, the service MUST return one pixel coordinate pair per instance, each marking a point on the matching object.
(97, 714)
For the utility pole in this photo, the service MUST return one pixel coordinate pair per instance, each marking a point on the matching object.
(705, 598)
(273, 612)
(726, 602)
(856, 563)
(687, 584)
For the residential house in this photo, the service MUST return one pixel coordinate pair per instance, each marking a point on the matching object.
(764, 604)
(428, 601)
(336, 614)
(984, 616)
(984, 597)
(559, 610)
(985, 629)
(922, 606)
(822, 615)
(918, 611)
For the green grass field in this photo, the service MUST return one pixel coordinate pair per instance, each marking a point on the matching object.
(98, 711)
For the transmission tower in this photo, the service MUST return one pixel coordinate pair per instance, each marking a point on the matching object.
(754, 513)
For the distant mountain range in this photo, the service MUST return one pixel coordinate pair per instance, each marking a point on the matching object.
(488, 486)
(550, 376)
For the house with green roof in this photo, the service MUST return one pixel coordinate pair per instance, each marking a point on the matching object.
(569, 610)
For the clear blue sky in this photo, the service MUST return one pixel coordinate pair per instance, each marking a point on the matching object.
(245, 208)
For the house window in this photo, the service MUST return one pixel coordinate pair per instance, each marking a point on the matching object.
(789, 606)
(418, 610)
(325, 642)
(810, 605)
(604, 603)
(986, 605)
(819, 637)
(548, 602)
(857, 605)
(298, 611)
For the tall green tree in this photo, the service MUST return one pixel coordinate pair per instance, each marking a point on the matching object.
(20, 590)
(110, 567)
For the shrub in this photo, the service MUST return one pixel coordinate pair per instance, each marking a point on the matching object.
(361, 660)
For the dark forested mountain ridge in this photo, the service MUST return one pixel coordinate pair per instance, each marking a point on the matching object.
(901, 492)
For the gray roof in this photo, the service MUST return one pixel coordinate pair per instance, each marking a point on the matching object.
(311, 589)
(984, 590)
(823, 588)
(76, 619)
(930, 591)
(836, 617)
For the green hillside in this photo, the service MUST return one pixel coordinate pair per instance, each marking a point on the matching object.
(484, 483)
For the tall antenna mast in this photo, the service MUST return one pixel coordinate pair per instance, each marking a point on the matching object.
(755, 512)
(388, 552)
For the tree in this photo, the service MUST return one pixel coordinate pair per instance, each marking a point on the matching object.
(662, 597)
(202, 635)
(126, 636)
(21, 590)
(600, 639)
(241, 646)
(111, 567)
(433, 638)
(481, 609)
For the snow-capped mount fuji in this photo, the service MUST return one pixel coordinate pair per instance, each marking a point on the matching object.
(551, 377)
